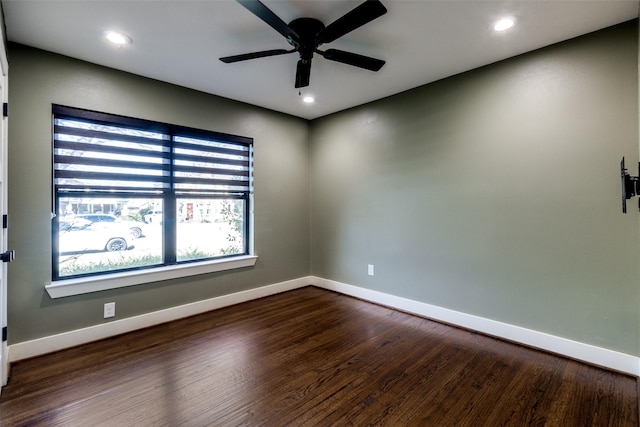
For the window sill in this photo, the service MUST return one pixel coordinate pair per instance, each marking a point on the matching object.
(85, 285)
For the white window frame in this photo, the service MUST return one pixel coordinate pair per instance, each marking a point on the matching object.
(103, 282)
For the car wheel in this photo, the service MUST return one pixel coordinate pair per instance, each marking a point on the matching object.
(116, 244)
(136, 232)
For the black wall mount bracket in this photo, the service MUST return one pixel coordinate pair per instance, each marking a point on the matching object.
(630, 185)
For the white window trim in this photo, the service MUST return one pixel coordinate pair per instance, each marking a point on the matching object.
(85, 285)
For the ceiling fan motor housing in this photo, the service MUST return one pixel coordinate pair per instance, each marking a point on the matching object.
(308, 30)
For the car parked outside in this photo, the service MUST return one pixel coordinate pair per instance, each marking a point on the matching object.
(81, 235)
(135, 227)
(153, 217)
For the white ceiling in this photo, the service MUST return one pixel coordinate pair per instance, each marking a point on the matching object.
(421, 41)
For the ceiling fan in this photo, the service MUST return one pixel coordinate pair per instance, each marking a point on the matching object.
(305, 35)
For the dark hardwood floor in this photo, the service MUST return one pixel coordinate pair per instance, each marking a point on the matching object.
(317, 358)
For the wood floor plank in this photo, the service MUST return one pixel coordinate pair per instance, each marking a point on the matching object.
(311, 357)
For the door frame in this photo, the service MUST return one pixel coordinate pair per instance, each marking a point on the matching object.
(4, 138)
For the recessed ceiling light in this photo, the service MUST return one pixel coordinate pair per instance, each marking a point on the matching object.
(504, 24)
(308, 99)
(117, 38)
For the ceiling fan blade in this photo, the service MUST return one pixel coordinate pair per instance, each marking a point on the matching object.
(303, 73)
(254, 55)
(363, 14)
(354, 59)
(264, 13)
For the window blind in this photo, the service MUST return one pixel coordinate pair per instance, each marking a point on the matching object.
(91, 154)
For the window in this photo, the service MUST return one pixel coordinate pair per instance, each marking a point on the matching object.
(131, 194)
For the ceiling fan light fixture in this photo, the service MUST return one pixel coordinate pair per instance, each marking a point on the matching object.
(117, 38)
(308, 99)
(504, 24)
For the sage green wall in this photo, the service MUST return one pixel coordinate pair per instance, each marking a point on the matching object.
(38, 79)
(495, 192)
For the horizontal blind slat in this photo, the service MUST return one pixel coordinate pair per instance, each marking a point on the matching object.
(218, 150)
(205, 159)
(96, 148)
(193, 180)
(98, 134)
(92, 161)
(79, 175)
(211, 171)
(113, 190)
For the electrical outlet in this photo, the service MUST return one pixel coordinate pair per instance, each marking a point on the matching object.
(109, 309)
(370, 270)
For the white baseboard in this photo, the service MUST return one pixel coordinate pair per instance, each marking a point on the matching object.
(573, 349)
(76, 337)
(576, 350)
